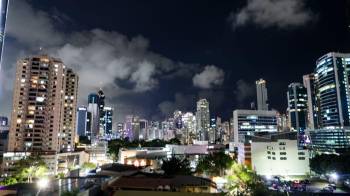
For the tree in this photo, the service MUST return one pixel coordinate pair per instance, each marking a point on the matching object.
(176, 166)
(214, 164)
(242, 181)
(30, 167)
(74, 192)
(326, 163)
(88, 166)
(8, 181)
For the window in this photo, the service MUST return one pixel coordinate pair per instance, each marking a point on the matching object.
(301, 158)
(283, 158)
(301, 153)
(282, 143)
(283, 153)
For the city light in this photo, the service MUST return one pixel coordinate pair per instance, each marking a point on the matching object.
(334, 176)
(42, 183)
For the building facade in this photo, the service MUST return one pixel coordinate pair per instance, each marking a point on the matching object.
(313, 117)
(248, 122)
(261, 95)
(94, 110)
(297, 106)
(278, 154)
(44, 102)
(203, 120)
(332, 80)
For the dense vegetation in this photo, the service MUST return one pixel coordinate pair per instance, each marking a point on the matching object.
(326, 163)
(214, 164)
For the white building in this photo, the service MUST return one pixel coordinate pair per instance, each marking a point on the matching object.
(278, 154)
(261, 95)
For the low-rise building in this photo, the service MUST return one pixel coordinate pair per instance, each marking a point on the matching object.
(275, 154)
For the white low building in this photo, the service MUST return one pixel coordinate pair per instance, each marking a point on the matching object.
(278, 154)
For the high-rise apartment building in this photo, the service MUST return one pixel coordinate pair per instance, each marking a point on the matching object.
(44, 102)
(261, 95)
(332, 80)
(297, 106)
(68, 136)
(313, 116)
(203, 120)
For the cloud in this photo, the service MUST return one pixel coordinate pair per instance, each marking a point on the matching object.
(272, 13)
(211, 76)
(243, 91)
(101, 58)
(183, 102)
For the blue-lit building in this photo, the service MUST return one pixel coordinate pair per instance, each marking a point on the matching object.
(329, 140)
(332, 78)
(297, 106)
(83, 122)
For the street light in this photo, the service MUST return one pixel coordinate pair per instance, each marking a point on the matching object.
(42, 184)
(334, 176)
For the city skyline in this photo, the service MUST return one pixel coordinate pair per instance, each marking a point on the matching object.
(164, 77)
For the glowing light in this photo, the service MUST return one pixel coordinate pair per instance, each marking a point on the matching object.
(43, 183)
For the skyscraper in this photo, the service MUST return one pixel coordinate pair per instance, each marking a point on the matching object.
(297, 106)
(203, 120)
(82, 121)
(313, 116)
(44, 102)
(132, 127)
(93, 108)
(3, 15)
(261, 95)
(332, 80)
(107, 121)
(101, 112)
(189, 124)
(68, 135)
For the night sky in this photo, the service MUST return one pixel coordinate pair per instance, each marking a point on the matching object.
(167, 54)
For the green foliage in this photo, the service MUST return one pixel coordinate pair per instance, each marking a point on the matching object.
(74, 192)
(8, 181)
(326, 163)
(29, 168)
(60, 175)
(243, 181)
(176, 166)
(214, 164)
(88, 165)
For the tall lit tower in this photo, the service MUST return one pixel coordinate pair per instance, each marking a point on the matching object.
(203, 120)
(332, 80)
(261, 95)
(101, 111)
(3, 15)
(93, 108)
(297, 106)
(44, 104)
(313, 116)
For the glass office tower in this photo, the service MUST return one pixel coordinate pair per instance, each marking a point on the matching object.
(332, 78)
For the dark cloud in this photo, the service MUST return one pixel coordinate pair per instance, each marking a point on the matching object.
(269, 13)
(183, 102)
(243, 92)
